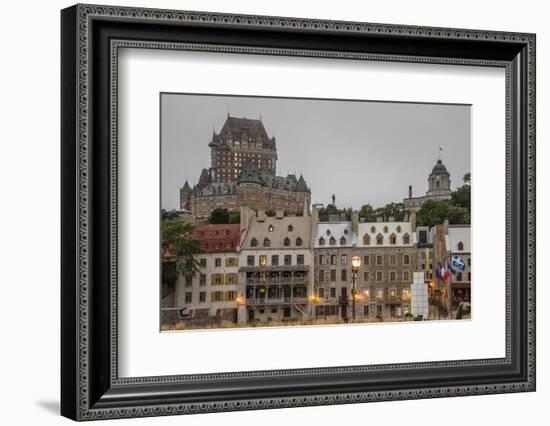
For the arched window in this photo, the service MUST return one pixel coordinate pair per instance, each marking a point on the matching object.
(385, 229)
(366, 239)
(373, 229)
(270, 228)
(321, 241)
(379, 240)
(267, 243)
(406, 239)
(299, 241)
(393, 239)
(345, 232)
(398, 229)
(290, 228)
(254, 242)
(343, 241)
(332, 241)
(287, 242)
(328, 231)
(460, 246)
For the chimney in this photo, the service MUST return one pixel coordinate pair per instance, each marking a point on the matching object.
(410, 191)
(261, 215)
(354, 222)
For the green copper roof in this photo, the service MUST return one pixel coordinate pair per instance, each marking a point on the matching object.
(439, 167)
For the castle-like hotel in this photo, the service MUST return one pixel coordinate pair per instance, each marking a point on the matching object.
(242, 173)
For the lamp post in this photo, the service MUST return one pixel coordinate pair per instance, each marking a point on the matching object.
(355, 264)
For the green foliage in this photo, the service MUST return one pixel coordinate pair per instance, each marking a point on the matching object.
(235, 217)
(270, 213)
(366, 211)
(169, 214)
(467, 178)
(461, 197)
(219, 216)
(435, 212)
(179, 243)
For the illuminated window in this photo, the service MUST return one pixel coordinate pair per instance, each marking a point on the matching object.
(263, 260)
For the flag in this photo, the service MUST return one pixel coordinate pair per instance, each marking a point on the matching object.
(458, 263)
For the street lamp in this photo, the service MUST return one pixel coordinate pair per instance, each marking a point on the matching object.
(355, 264)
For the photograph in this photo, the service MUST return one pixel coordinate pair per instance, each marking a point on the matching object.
(299, 211)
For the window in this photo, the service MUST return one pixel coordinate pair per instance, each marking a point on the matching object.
(299, 241)
(379, 276)
(343, 241)
(270, 229)
(344, 275)
(373, 229)
(379, 240)
(288, 259)
(321, 275)
(275, 259)
(300, 259)
(218, 262)
(333, 259)
(321, 292)
(379, 293)
(366, 310)
(366, 276)
(379, 260)
(366, 260)
(469, 261)
(290, 228)
(385, 229)
(393, 292)
(332, 241)
(202, 297)
(469, 276)
(250, 260)
(333, 275)
(343, 259)
(203, 263)
(263, 260)
(459, 276)
(392, 259)
(321, 259)
(406, 276)
(392, 275)
(267, 243)
(202, 279)
(287, 242)
(366, 239)
(406, 259)
(393, 239)
(333, 292)
(188, 281)
(460, 246)
(398, 229)
(321, 241)
(188, 297)
(254, 242)
(328, 231)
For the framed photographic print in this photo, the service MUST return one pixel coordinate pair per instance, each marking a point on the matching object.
(263, 212)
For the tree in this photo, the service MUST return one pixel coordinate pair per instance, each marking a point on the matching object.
(395, 210)
(218, 216)
(433, 212)
(270, 213)
(467, 178)
(368, 213)
(235, 217)
(169, 214)
(178, 243)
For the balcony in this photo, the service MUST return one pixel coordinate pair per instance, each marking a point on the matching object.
(277, 281)
(266, 301)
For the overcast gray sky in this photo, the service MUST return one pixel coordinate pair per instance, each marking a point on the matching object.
(364, 152)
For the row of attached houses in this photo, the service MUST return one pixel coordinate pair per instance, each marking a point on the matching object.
(295, 268)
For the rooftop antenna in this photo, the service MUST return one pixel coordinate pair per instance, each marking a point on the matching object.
(440, 149)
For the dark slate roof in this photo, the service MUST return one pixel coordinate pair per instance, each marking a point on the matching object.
(218, 188)
(186, 187)
(250, 174)
(235, 127)
(205, 177)
(301, 185)
(439, 167)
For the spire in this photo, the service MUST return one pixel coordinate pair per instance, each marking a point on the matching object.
(301, 185)
(186, 187)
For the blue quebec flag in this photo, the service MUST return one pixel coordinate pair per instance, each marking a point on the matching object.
(458, 263)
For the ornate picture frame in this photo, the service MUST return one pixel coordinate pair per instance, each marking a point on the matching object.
(90, 384)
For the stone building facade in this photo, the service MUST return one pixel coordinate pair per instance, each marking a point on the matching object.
(439, 188)
(243, 173)
(275, 266)
(212, 295)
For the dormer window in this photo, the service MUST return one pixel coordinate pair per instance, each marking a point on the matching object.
(290, 228)
(373, 229)
(267, 242)
(398, 229)
(366, 239)
(393, 239)
(287, 242)
(460, 246)
(406, 239)
(321, 241)
(254, 242)
(379, 240)
(345, 232)
(270, 228)
(343, 241)
(328, 231)
(385, 229)
(332, 241)
(299, 242)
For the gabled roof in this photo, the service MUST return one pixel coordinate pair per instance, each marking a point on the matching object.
(301, 185)
(235, 127)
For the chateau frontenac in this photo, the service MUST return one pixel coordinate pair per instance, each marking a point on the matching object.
(243, 173)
